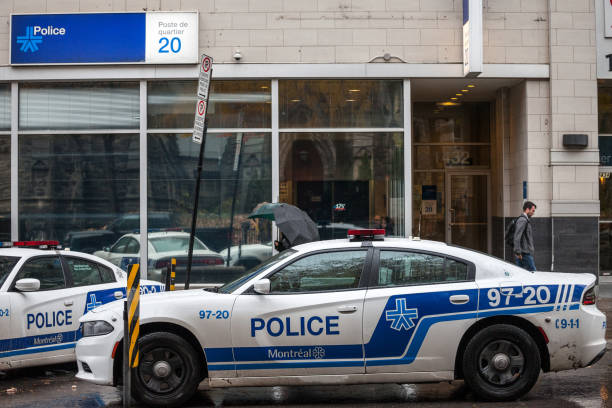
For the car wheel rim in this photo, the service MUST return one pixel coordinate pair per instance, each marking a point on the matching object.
(501, 362)
(162, 370)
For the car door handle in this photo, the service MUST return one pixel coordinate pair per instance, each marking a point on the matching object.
(118, 294)
(459, 299)
(68, 303)
(347, 309)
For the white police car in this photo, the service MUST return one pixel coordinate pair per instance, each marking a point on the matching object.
(361, 310)
(43, 293)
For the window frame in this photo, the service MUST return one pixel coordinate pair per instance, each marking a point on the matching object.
(374, 270)
(68, 272)
(67, 280)
(367, 265)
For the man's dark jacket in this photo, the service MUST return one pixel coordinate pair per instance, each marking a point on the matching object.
(523, 236)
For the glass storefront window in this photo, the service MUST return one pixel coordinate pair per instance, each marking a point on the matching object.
(345, 180)
(340, 103)
(81, 190)
(232, 104)
(5, 107)
(103, 105)
(5, 187)
(605, 194)
(604, 109)
(237, 173)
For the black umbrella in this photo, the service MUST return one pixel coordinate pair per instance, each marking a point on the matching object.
(294, 223)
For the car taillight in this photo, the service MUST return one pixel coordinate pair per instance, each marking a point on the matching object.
(589, 297)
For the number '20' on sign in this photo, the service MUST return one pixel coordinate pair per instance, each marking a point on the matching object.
(174, 44)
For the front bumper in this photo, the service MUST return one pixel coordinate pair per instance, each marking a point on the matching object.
(96, 352)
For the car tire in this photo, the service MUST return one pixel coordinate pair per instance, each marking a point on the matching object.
(168, 372)
(501, 363)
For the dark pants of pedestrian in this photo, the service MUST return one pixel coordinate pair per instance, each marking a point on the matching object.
(526, 263)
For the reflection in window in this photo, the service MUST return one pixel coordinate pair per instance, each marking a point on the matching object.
(5, 187)
(232, 177)
(232, 104)
(5, 107)
(409, 268)
(345, 180)
(112, 105)
(340, 103)
(76, 188)
(605, 195)
(604, 109)
(47, 270)
(320, 272)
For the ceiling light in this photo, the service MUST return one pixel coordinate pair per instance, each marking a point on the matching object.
(471, 86)
(465, 90)
(264, 87)
(454, 98)
(296, 100)
(447, 104)
(459, 94)
(354, 90)
(350, 100)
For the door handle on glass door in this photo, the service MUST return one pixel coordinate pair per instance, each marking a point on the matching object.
(347, 309)
(459, 299)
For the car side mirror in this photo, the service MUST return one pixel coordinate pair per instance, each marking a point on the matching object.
(262, 286)
(27, 285)
(106, 249)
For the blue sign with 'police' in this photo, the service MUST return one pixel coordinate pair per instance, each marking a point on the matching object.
(78, 38)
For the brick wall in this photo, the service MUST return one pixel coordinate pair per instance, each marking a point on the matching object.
(334, 31)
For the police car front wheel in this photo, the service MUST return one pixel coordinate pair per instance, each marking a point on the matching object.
(501, 363)
(168, 372)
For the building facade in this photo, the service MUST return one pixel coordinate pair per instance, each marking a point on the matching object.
(357, 111)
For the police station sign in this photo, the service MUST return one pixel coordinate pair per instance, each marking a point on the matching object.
(104, 38)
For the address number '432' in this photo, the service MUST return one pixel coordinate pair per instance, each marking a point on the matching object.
(533, 295)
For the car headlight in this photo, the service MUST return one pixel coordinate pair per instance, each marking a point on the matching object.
(95, 328)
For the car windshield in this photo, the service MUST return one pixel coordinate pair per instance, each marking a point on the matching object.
(7, 263)
(230, 287)
(169, 244)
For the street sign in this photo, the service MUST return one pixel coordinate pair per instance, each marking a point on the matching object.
(201, 105)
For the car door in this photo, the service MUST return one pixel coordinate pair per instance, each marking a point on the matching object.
(311, 321)
(7, 263)
(417, 307)
(45, 323)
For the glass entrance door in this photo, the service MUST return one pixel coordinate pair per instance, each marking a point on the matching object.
(467, 210)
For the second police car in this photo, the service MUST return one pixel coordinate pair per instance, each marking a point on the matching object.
(43, 293)
(361, 310)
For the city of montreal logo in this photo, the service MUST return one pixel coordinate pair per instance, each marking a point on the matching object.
(34, 36)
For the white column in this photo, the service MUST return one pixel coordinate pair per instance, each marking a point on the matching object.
(14, 162)
(144, 177)
(407, 159)
(275, 153)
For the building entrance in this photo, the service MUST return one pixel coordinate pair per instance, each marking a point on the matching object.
(451, 174)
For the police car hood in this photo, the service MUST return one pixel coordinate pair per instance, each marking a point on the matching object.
(154, 298)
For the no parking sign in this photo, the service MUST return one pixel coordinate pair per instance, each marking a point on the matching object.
(203, 86)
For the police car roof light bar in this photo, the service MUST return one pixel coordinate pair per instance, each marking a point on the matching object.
(366, 234)
(36, 244)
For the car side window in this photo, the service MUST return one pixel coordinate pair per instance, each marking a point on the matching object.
(397, 268)
(132, 247)
(48, 270)
(84, 272)
(320, 272)
(108, 276)
(121, 245)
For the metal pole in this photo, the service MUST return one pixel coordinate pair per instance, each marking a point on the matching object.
(236, 180)
(196, 200)
(126, 356)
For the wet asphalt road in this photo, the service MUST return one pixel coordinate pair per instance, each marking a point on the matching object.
(55, 386)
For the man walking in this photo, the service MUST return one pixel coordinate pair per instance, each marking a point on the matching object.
(523, 238)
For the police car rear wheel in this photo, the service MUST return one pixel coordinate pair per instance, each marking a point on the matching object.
(168, 370)
(501, 363)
